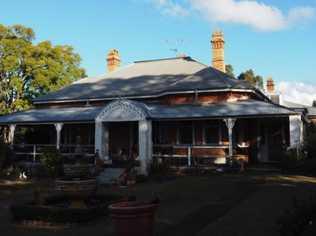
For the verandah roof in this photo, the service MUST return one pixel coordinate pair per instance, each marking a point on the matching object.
(249, 108)
(52, 115)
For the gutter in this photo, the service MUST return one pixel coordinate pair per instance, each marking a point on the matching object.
(150, 96)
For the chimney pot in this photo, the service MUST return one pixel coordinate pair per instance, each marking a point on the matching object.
(218, 51)
(113, 60)
(270, 86)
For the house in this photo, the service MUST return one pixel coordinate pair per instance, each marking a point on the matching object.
(175, 109)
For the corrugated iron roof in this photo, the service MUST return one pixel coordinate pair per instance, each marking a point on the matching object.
(247, 108)
(148, 78)
(52, 115)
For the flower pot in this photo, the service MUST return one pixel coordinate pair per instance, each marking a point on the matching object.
(133, 218)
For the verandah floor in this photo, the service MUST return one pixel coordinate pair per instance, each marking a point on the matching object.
(214, 204)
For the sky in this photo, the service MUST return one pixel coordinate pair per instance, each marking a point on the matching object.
(274, 38)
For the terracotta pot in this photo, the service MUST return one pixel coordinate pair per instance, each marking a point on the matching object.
(133, 218)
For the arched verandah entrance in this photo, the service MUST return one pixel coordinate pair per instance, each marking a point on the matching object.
(125, 111)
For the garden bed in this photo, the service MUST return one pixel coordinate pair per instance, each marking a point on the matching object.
(57, 209)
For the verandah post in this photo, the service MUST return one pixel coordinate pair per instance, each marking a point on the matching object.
(101, 140)
(230, 123)
(59, 127)
(189, 155)
(145, 145)
(11, 134)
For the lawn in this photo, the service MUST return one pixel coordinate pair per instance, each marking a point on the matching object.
(213, 204)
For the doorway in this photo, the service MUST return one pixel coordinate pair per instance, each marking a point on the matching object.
(123, 141)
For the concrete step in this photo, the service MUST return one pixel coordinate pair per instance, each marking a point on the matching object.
(110, 175)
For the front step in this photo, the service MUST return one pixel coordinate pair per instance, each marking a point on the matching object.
(110, 175)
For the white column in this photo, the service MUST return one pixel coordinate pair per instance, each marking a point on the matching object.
(59, 127)
(230, 123)
(189, 155)
(296, 131)
(101, 139)
(145, 145)
(259, 156)
(11, 133)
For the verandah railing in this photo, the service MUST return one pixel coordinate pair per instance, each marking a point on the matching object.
(186, 155)
(32, 152)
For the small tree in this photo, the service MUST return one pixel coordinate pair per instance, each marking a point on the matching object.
(230, 70)
(310, 140)
(4, 154)
(252, 78)
(52, 161)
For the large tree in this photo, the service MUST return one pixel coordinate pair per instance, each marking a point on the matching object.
(29, 69)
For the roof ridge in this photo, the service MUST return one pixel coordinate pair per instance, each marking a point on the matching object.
(165, 59)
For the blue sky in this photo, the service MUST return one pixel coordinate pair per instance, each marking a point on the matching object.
(267, 36)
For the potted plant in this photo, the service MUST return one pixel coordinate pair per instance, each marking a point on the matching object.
(134, 217)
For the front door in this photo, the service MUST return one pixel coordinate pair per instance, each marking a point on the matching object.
(123, 140)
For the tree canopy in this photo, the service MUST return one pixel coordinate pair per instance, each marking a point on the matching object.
(230, 70)
(252, 78)
(29, 69)
(249, 75)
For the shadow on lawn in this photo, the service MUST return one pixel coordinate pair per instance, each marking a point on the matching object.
(197, 220)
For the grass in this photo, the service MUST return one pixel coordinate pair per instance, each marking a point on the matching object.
(194, 205)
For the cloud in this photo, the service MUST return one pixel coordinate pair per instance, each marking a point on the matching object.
(255, 14)
(300, 13)
(297, 92)
(171, 8)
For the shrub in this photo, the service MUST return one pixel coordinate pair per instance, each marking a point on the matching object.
(159, 167)
(310, 141)
(292, 158)
(51, 159)
(56, 209)
(4, 154)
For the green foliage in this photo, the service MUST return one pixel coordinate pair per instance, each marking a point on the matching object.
(98, 207)
(230, 70)
(28, 70)
(292, 159)
(51, 159)
(249, 75)
(255, 80)
(4, 154)
(310, 141)
(159, 167)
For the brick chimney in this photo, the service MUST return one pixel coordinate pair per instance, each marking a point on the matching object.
(218, 51)
(113, 60)
(270, 86)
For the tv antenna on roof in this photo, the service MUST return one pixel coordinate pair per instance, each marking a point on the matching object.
(175, 44)
(175, 50)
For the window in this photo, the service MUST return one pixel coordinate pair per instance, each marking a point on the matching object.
(212, 133)
(164, 133)
(185, 133)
